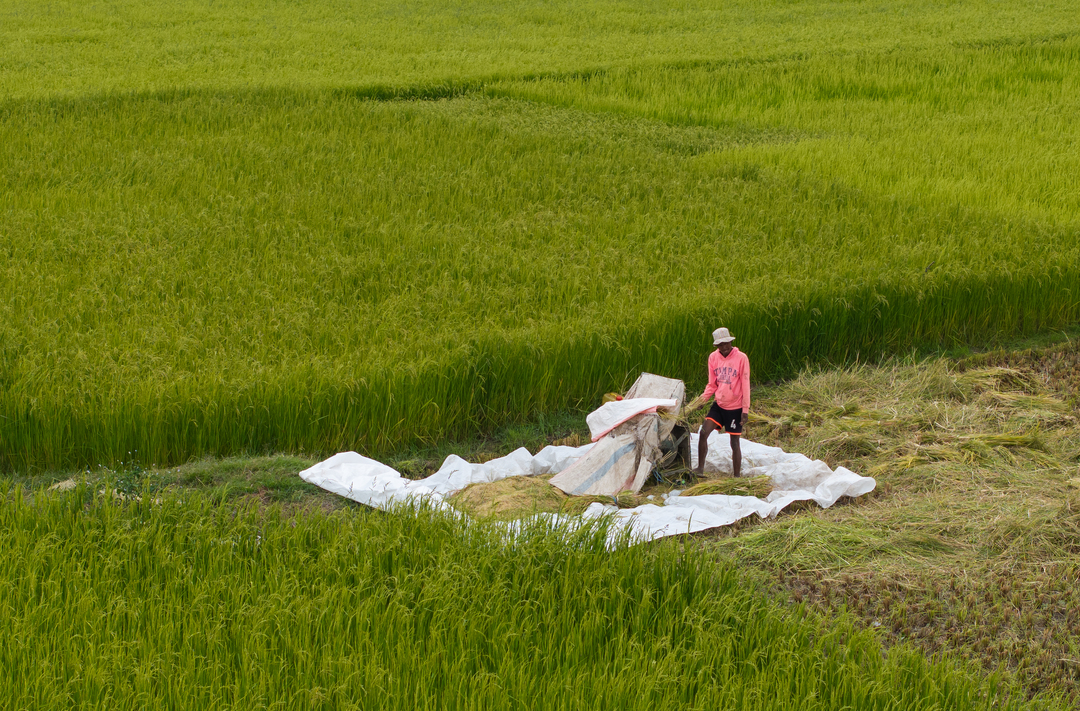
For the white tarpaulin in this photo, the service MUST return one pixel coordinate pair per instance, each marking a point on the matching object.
(610, 415)
(795, 477)
(374, 484)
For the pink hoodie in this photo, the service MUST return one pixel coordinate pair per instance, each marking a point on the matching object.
(729, 379)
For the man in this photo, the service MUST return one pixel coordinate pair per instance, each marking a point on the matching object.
(729, 384)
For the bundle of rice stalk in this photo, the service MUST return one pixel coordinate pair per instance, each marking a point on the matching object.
(1034, 403)
(847, 445)
(1006, 456)
(897, 464)
(784, 419)
(572, 440)
(1025, 441)
(988, 378)
(976, 449)
(757, 418)
(758, 486)
(1043, 459)
(628, 500)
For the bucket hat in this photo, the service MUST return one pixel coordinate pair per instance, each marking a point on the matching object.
(721, 335)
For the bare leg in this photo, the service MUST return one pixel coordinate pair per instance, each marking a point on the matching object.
(707, 428)
(736, 456)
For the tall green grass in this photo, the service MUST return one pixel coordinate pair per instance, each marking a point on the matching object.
(72, 48)
(210, 271)
(200, 273)
(192, 605)
(983, 125)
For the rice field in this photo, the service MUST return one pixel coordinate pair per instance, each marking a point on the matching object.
(70, 48)
(242, 228)
(229, 229)
(169, 603)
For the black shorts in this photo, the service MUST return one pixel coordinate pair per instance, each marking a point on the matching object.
(728, 420)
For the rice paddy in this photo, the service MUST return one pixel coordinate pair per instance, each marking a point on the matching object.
(189, 604)
(966, 558)
(239, 229)
(190, 271)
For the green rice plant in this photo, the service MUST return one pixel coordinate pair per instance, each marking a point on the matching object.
(191, 604)
(986, 127)
(227, 264)
(433, 48)
(214, 343)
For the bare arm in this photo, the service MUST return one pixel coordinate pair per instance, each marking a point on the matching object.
(744, 376)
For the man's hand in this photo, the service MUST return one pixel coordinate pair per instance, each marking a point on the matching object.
(694, 404)
(745, 419)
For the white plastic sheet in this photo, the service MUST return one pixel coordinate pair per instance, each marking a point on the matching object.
(610, 415)
(795, 478)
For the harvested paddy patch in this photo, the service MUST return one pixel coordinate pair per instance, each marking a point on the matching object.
(968, 547)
